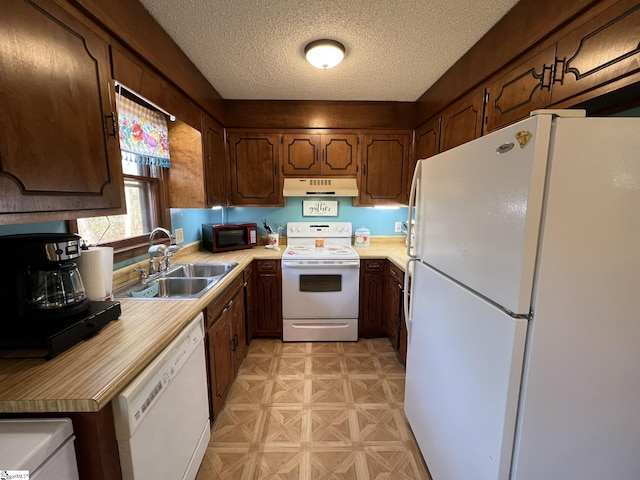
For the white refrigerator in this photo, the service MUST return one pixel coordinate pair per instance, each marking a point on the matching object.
(524, 318)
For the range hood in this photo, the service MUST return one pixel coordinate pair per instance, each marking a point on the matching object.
(320, 187)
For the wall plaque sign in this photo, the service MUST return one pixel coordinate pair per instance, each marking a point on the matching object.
(319, 208)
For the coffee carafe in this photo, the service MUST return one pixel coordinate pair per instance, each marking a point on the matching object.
(42, 280)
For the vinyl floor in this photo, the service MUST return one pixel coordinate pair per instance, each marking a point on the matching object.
(315, 411)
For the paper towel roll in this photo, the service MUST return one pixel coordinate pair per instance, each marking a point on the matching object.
(96, 270)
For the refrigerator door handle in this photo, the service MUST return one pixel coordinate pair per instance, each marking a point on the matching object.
(408, 311)
(413, 198)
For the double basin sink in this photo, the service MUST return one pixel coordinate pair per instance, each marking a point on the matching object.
(180, 281)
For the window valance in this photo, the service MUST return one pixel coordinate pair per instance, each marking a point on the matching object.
(143, 133)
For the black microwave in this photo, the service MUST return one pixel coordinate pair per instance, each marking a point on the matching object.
(223, 238)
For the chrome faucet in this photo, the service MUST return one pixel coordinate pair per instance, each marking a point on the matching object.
(161, 250)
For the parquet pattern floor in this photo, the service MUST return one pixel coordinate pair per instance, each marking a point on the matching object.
(315, 411)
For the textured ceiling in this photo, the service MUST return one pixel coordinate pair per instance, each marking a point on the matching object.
(395, 49)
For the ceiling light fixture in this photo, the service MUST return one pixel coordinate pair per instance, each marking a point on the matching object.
(324, 53)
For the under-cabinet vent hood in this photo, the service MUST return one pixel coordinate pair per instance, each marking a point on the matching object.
(320, 187)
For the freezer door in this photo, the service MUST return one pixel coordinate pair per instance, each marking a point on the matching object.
(479, 211)
(462, 380)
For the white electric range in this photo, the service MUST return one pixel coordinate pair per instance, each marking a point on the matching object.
(320, 283)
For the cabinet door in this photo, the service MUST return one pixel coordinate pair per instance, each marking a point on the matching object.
(426, 144)
(254, 162)
(268, 299)
(524, 88)
(239, 330)
(462, 122)
(249, 301)
(372, 299)
(221, 360)
(339, 154)
(215, 163)
(603, 50)
(301, 154)
(394, 289)
(58, 132)
(385, 164)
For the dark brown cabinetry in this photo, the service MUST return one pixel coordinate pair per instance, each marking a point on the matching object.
(267, 318)
(386, 159)
(312, 154)
(372, 321)
(58, 133)
(394, 304)
(215, 162)
(226, 342)
(604, 50)
(254, 163)
(249, 301)
(599, 52)
(462, 121)
(396, 326)
(524, 88)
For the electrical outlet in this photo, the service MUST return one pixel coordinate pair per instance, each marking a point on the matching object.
(398, 227)
(179, 234)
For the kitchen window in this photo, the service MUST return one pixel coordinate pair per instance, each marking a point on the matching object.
(145, 196)
(144, 144)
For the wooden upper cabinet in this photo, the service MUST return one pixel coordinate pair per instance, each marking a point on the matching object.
(254, 163)
(300, 154)
(462, 121)
(385, 168)
(603, 50)
(313, 154)
(339, 154)
(524, 88)
(184, 178)
(59, 147)
(215, 163)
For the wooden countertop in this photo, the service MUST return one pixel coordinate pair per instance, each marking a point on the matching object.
(87, 376)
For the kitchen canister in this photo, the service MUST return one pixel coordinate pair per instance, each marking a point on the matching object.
(362, 237)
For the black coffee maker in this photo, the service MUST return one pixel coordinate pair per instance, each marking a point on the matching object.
(41, 279)
(45, 309)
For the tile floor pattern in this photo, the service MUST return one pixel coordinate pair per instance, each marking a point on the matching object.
(315, 411)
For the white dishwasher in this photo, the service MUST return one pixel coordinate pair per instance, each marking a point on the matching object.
(162, 417)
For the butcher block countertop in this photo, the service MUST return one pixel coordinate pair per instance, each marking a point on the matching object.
(87, 376)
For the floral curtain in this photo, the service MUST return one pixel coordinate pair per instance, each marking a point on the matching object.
(143, 134)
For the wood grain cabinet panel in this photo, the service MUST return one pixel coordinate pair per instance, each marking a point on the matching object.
(254, 161)
(267, 319)
(315, 154)
(462, 121)
(221, 360)
(339, 154)
(300, 154)
(58, 132)
(524, 88)
(386, 158)
(372, 322)
(602, 50)
(215, 161)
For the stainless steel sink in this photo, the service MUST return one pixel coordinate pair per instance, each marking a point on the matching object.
(182, 281)
(200, 269)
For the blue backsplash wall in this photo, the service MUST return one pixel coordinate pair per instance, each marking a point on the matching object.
(379, 221)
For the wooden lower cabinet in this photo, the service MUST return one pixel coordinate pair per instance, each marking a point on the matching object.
(372, 321)
(267, 317)
(226, 343)
(395, 290)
